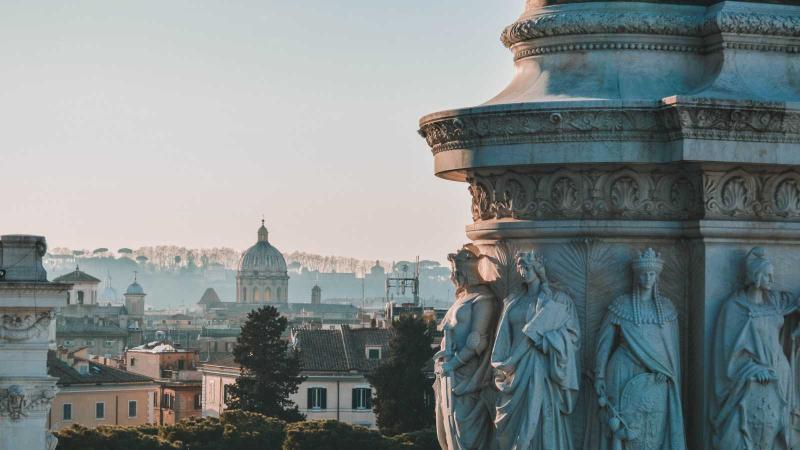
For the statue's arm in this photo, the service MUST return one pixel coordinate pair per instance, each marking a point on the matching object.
(478, 339)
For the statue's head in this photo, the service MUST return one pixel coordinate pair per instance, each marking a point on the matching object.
(530, 266)
(760, 271)
(464, 265)
(646, 268)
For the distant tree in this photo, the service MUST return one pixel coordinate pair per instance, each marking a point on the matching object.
(99, 250)
(141, 259)
(125, 251)
(78, 437)
(78, 252)
(270, 369)
(402, 389)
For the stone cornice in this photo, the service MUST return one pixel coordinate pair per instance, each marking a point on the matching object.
(667, 22)
(699, 119)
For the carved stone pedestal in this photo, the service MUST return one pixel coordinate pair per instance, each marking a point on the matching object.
(634, 125)
(27, 302)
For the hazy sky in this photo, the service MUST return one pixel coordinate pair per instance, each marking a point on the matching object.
(129, 123)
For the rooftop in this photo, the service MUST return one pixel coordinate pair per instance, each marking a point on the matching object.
(97, 373)
(76, 276)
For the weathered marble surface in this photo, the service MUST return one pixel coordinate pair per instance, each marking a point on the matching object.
(27, 302)
(535, 357)
(463, 386)
(634, 125)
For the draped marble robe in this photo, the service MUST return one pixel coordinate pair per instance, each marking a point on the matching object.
(535, 399)
(646, 347)
(465, 397)
(746, 414)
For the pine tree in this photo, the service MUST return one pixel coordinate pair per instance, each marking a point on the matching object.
(403, 393)
(270, 370)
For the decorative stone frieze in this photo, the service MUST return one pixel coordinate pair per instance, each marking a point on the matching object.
(24, 325)
(665, 193)
(17, 401)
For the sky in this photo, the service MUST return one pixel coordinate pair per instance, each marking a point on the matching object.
(182, 122)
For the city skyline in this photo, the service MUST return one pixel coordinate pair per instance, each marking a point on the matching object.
(184, 126)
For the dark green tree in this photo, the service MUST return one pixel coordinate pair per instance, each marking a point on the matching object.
(403, 393)
(270, 369)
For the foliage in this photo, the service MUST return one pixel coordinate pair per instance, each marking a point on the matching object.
(246, 430)
(402, 389)
(270, 370)
(419, 440)
(78, 437)
(334, 435)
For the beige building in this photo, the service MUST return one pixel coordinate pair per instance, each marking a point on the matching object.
(335, 363)
(92, 394)
(262, 275)
(175, 372)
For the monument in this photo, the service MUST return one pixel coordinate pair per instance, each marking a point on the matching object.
(669, 125)
(27, 302)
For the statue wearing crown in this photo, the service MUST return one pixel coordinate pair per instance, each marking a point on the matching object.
(463, 386)
(753, 382)
(637, 370)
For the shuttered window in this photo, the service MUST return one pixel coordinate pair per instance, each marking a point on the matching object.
(317, 398)
(362, 398)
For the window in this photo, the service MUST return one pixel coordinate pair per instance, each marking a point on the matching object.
(108, 344)
(373, 353)
(68, 298)
(100, 410)
(198, 401)
(181, 364)
(317, 398)
(83, 369)
(133, 362)
(362, 398)
(80, 297)
(132, 408)
(68, 343)
(66, 411)
(167, 401)
(89, 343)
(226, 393)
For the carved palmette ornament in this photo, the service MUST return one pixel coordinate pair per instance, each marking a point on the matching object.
(23, 326)
(676, 193)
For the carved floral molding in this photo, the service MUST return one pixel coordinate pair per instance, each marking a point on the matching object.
(674, 193)
(572, 22)
(700, 119)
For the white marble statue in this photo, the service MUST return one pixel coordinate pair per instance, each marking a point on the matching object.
(637, 370)
(463, 386)
(753, 382)
(535, 356)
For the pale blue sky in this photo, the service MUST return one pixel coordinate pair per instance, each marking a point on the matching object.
(129, 123)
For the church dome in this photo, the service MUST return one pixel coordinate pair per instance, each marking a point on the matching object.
(109, 295)
(263, 257)
(135, 289)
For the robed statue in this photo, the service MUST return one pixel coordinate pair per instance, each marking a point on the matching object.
(637, 366)
(463, 388)
(753, 384)
(535, 356)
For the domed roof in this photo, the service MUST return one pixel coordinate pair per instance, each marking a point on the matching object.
(135, 289)
(263, 257)
(109, 295)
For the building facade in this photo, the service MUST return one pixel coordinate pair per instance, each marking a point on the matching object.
(175, 372)
(92, 394)
(335, 364)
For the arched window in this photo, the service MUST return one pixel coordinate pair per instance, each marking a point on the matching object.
(256, 295)
(80, 297)
(279, 294)
(267, 294)
(244, 294)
